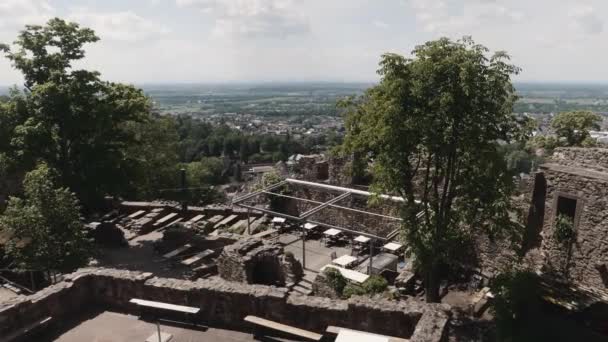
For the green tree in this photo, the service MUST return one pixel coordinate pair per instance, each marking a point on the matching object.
(209, 171)
(72, 119)
(151, 159)
(44, 226)
(573, 127)
(431, 127)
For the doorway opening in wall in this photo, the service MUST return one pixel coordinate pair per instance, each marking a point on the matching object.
(566, 207)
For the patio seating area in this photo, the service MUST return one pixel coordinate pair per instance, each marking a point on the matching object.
(320, 237)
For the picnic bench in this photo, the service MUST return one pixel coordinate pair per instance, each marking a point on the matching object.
(12, 288)
(283, 328)
(195, 219)
(136, 214)
(164, 306)
(265, 233)
(228, 220)
(28, 330)
(177, 251)
(215, 219)
(180, 219)
(165, 219)
(197, 257)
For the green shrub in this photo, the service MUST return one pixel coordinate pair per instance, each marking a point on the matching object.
(564, 228)
(335, 279)
(353, 290)
(375, 284)
(517, 306)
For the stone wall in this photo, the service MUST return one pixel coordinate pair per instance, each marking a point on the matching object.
(224, 303)
(579, 157)
(578, 262)
(579, 174)
(253, 261)
(339, 170)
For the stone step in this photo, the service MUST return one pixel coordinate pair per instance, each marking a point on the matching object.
(306, 281)
(304, 285)
(302, 290)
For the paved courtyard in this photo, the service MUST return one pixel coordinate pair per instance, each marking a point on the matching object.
(317, 254)
(116, 327)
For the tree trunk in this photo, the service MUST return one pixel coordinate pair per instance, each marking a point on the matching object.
(431, 283)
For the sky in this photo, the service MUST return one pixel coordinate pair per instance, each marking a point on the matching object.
(216, 41)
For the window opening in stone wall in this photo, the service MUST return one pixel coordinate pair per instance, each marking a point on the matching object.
(564, 219)
(566, 207)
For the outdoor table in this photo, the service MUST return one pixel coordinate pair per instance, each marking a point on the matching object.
(392, 247)
(345, 260)
(310, 226)
(278, 220)
(332, 235)
(351, 275)
(362, 239)
(332, 232)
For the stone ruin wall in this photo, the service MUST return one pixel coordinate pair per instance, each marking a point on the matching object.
(224, 303)
(580, 157)
(350, 219)
(579, 173)
(339, 171)
(579, 263)
(249, 258)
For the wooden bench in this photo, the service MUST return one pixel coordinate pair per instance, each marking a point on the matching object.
(265, 233)
(215, 219)
(258, 321)
(225, 222)
(137, 214)
(336, 330)
(12, 288)
(27, 331)
(177, 251)
(170, 224)
(165, 219)
(195, 219)
(189, 312)
(164, 306)
(197, 257)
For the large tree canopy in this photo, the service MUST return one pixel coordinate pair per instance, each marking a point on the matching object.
(80, 125)
(432, 127)
(572, 128)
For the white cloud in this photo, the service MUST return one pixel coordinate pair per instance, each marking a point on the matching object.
(586, 20)
(460, 16)
(253, 18)
(124, 26)
(14, 14)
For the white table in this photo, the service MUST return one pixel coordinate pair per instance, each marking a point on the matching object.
(392, 246)
(310, 226)
(278, 220)
(362, 239)
(332, 232)
(351, 275)
(346, 335)
(344, 260)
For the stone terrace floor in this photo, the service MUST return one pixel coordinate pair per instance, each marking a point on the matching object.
(116, 327)
(317, 254)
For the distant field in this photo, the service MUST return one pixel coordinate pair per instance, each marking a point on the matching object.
(287, 99)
